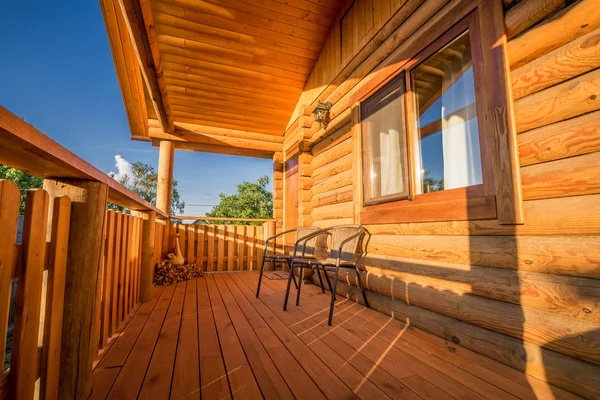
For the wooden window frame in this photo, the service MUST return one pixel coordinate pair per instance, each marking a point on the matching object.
(379, 95)
(499, 196)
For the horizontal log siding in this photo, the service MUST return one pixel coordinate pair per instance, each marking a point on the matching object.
(527, 295)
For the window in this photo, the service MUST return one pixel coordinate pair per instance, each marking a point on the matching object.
(384, 144)
(424, 150)
(447, 152)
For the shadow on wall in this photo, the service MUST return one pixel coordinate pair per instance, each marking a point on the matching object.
(520, 318)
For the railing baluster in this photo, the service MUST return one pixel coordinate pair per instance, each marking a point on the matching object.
(9, 218)
(201, 245)
(23, 371)
(55, 298)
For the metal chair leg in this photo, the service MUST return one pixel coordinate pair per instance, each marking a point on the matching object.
(320, 279)
(300, 279)
(293, 277)
(289, 283)
(327, 279)
(331, 306)
(260, 275)
(362, 288)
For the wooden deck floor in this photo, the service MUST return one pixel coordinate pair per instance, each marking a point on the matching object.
(211, 338)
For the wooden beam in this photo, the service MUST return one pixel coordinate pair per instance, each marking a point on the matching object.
(216, 131)
(226, 150)
(165, 176)
(185, 136)
(29, 150)
(216, 149)
(138, 17)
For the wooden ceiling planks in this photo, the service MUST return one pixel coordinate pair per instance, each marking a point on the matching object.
(231, 65)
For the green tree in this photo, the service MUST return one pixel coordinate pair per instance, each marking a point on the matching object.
(143, 182)
(252, 200)
(431, 184)
(23, 180)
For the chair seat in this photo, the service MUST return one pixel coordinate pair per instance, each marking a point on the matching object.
(283, 257)
(329, 262)
(278, 256)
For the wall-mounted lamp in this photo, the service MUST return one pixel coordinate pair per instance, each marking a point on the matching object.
(321, 113)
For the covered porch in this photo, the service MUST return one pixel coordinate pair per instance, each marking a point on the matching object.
(476, 292)
(212, 338)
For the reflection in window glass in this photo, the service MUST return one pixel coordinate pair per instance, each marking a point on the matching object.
(383, 137)
(447, 153)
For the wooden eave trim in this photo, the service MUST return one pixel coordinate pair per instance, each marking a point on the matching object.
(183, 132)
(26, 148)
(181, 137)
(219, 149)
(138, 17)
(129, 83)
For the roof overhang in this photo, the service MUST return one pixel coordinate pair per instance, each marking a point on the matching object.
(220, 76)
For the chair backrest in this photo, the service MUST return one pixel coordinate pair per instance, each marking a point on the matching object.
(352, 248)
(313, 245)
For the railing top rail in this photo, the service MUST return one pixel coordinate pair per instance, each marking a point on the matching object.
(24, 147)
(187, 218)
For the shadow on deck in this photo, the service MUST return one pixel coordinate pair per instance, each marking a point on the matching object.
(212, 338)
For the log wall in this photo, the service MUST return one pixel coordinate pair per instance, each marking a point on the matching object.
(526, 295)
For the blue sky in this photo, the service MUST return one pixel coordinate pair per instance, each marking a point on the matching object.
(56, 71)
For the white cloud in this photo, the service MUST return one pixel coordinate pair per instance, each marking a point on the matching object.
(124, 168)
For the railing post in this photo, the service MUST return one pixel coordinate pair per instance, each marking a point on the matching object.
(268, 231)
(83, 265)
(147, 272)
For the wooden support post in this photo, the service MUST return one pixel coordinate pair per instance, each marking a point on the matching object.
(83, 265)
(164, 186)
(147, 272)
(165, 176)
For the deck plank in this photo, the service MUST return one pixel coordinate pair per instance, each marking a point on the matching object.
(131, 376)
(390, 384)
(211, 338)
(186, 376)
(297, 379)
(213, 378)
(402, 352)
(400, 367)
(114, 356)
(241, 379)
(157, 383)
(270, 381)
(328, 381)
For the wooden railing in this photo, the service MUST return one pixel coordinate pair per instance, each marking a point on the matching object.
(39, 313)
(119, 279)
(219, 247)
(79, 269)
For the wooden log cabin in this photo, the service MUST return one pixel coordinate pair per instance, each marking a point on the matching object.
(464, 135)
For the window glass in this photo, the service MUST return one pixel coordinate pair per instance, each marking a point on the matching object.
(447, 146)
(385, 173)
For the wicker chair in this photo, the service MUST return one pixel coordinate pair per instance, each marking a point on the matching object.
(308, 248)
(346, 247)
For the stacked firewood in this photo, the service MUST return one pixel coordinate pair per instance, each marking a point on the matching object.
(166, 273)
